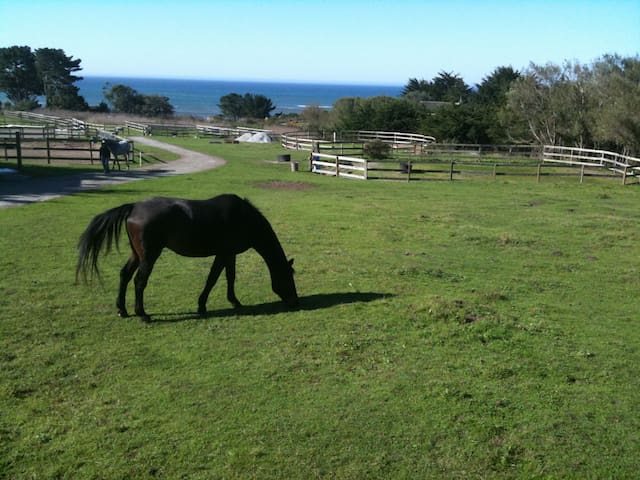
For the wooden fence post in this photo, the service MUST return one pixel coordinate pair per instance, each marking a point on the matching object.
(538, 174)
(48, 151)
(18, 151)
(337, 165)
(581, 173)
(451, 171)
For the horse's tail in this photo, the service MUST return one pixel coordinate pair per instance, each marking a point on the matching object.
(104, 227)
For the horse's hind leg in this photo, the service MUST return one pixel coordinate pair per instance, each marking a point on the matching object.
(125, 277)
(142, 277)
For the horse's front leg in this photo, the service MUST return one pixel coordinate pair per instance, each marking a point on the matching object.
(214, 274)
(230, 269)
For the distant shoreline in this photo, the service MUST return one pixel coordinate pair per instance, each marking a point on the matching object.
(200, 97)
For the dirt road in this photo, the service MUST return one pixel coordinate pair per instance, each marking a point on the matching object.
(17, 190)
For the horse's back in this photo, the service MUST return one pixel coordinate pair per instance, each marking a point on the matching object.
(193, 227)
(118, 147)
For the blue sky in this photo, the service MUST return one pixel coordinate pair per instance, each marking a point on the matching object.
(341, 41)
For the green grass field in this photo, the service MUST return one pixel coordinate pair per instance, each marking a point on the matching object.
(469, 329)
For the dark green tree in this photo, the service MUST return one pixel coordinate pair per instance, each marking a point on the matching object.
(388, 113)
(249, 105)
(257, 106)
(56, 71)
(156, 106)
(486, 102)
(123, 99)
(376, 113)
(19, 78)
(450, 87)
(232, 106)
(417, 90)
(445, 87)
(449, 124)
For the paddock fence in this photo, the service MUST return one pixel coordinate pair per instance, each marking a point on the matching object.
(584, 158)
(166, 129)
(43, 126)
(50, 151)
(414, 157)
(338, 166)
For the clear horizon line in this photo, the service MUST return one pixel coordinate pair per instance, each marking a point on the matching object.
(246, 80)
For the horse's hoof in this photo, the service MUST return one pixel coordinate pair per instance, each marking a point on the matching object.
(202, 311)
(145, 318)
(122, 313)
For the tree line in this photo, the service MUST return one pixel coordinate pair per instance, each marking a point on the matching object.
(27, 74)
(593, 105)
(571, 104)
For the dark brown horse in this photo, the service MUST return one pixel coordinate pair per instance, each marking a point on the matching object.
(223, 226)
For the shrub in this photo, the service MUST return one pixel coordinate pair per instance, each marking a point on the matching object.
(376, 150)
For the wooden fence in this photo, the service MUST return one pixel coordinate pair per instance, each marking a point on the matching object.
(623, 165)
(51, 126)
(338, 166)
(13, 145)
(353, 141)
(168, 129)
(50, 150)
(445, 161)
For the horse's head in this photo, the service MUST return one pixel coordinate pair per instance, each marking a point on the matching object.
(284, 286)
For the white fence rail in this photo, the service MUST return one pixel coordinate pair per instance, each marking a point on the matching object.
(624, 165)
(50, 126)
(339, 166)
(395, 138)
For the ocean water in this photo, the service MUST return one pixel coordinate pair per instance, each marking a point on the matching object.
(200, 98)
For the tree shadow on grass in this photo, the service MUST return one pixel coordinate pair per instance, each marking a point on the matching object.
(307, 303)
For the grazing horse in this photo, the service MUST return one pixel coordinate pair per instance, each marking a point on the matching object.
(224, 226)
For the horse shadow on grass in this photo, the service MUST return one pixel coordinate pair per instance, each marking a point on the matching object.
(307, 303)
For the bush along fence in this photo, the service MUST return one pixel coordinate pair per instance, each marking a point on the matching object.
(412, 159)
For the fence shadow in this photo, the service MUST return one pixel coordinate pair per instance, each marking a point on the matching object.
(307, 303)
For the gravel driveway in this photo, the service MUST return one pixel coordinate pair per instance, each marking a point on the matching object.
(21, 190)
